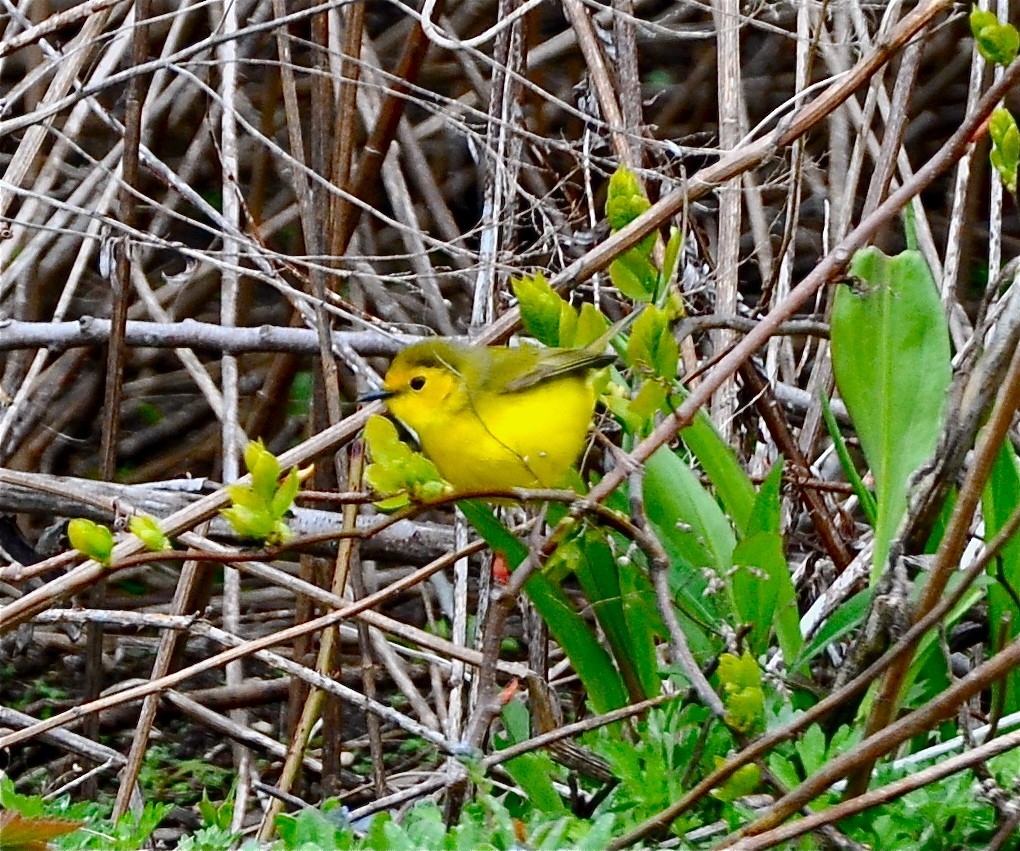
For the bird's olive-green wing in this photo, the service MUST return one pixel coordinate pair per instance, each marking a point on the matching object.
(547, 364)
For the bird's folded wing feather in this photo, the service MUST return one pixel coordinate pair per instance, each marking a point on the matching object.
(553, 363)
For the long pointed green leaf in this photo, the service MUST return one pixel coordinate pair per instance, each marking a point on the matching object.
(1001, 496)
(591, 661)
(891, 358)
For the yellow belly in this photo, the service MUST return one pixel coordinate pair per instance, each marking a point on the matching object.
(525, 439)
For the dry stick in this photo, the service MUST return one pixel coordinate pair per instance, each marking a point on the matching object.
(235, 652)
(350, 558)
(745, 157)
(183, 604)
(283, 370)
(499, 757)
(726, 16)
(771, 412)
(591, 49)
(52, 24)
(856, 239)
(346, 114)
(949, 552)
(378, 142)
(120, 289)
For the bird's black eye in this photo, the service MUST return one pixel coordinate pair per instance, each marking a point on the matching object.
(417, 382)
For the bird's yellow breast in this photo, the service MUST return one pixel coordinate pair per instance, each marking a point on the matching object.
(492, 441)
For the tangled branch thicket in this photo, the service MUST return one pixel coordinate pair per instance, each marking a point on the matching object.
(219, 218)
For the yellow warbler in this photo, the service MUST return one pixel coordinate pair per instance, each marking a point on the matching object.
(493, 418)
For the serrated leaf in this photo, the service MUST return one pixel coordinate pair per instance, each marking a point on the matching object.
(541, 307)
(652, 345)
(625, 200)
(591, 325)
(91, 539)
(784, 770)
(811, 749)
(634, 276)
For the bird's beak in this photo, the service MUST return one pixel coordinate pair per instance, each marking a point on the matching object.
(375, 395)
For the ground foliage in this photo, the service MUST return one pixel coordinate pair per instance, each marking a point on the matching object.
(194, 193)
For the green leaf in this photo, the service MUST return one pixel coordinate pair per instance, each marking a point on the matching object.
(670, 260)
(533, 772)
(720, 463)
(91, 539)
(753, 592)
(864, 496)
(257, 509)
(398, 473)
(996, 42)
(1001, 495)
(591, 325)
(891, 358)
(283, 499)
(648, 402)
(742, 693)
(265, 473)
(249, 524)
(1005, 153)
(634, 276)
(811, 749)
(686, 517)
(696, 535)
(765, 515)
(763, 593)
(652, 345)
(625, 200)
(496, 535)
(740, 783)
(590, 660)
(644, 623)
(541, 308)
(145, 527)
(598, 571)
(847, 618)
